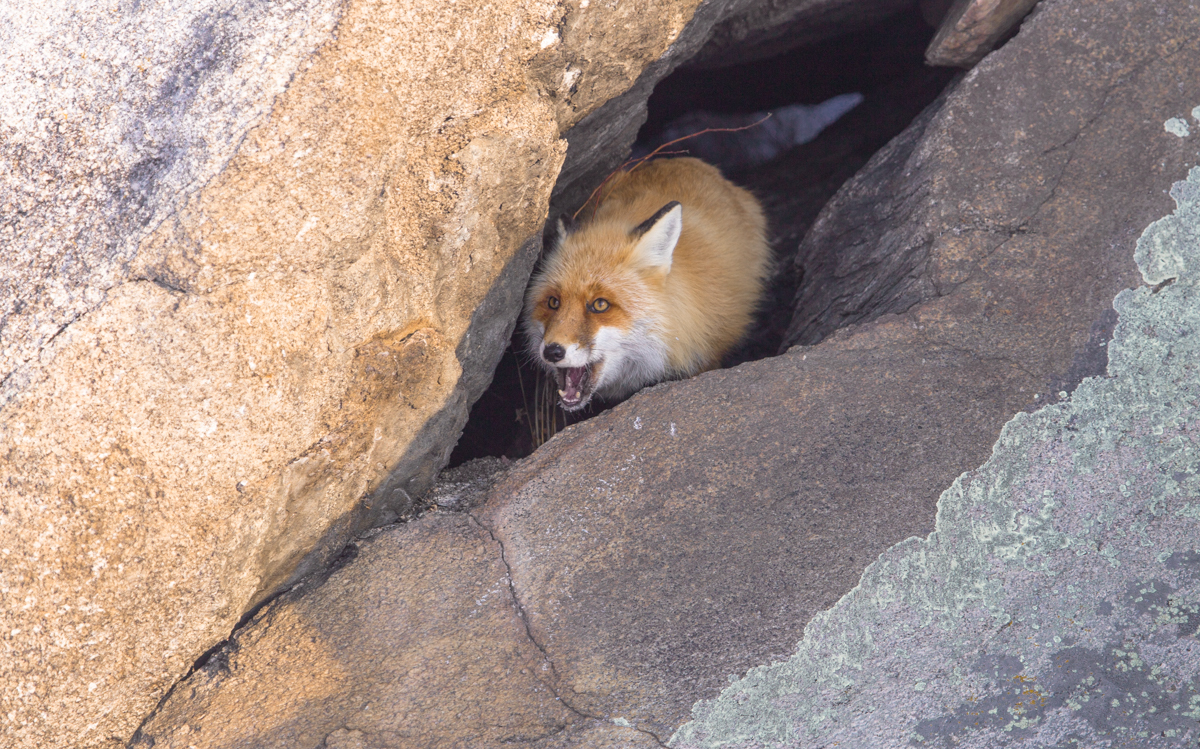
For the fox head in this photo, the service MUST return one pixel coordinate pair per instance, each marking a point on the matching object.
(591, 313)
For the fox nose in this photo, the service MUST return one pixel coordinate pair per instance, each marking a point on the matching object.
(554, 353)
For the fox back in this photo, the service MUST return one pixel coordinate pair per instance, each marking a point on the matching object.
(659, 282)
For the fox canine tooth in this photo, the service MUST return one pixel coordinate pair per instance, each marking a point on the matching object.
(561, 394)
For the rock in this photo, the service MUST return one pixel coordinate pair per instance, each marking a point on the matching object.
(1059, 600)
(940, 631)
(384, 653)
(971, 28)
(693, 531)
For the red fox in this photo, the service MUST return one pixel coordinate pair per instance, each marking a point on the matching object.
(658, 284)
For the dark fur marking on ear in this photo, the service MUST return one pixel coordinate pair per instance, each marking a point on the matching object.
(649, 223)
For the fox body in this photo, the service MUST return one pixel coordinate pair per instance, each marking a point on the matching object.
(659, 283)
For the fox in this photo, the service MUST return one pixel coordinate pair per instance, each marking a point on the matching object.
(659, 281)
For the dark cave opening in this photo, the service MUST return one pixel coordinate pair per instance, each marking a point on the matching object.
(883, 62)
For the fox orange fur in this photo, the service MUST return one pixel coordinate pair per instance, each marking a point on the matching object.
(658, 284)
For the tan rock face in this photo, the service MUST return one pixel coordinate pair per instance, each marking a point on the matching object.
(282, 347)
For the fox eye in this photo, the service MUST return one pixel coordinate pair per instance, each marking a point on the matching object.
(599, 305)
(552, 302)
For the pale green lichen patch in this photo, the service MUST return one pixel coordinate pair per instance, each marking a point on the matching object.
(1059, 596)
(1176, 126)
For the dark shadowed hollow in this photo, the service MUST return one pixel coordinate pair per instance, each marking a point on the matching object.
(883, 62)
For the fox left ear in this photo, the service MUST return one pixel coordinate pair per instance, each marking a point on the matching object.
(657, 236)
(566, 226)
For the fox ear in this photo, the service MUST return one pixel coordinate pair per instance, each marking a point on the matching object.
(657, 236)
(566, 225)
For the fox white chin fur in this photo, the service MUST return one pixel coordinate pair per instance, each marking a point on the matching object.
(660, 280)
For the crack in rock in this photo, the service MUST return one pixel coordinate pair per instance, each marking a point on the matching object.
(524, 617)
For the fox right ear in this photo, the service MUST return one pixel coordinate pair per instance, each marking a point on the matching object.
(657, 236)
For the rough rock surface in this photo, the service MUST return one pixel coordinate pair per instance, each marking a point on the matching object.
(1058, 601)
(694, 530)
(666, 544)
(796, 186)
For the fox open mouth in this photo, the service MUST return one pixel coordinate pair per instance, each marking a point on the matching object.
(574, 386)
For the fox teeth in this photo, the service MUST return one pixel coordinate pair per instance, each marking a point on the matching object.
(561, 394)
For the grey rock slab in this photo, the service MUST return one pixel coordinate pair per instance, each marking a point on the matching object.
(1057, 603)
(415, 641)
